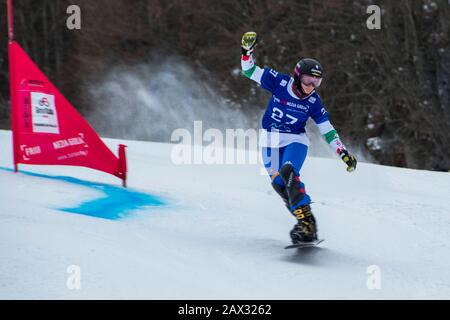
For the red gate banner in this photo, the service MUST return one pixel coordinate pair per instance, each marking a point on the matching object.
(47, 129)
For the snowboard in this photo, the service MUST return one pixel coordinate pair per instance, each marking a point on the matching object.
(305, 244)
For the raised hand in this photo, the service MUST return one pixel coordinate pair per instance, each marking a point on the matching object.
(349, 160)
(248, 42)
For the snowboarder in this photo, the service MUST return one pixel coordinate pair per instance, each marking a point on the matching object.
(284, 141)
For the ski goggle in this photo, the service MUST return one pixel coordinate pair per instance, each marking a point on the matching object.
(308, 80)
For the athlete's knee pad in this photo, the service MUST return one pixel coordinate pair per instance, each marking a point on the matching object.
(287, 172)
(294, 188)
(281, 190)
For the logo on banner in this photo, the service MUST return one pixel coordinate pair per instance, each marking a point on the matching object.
(45, 119)
(30, 151)
(74, 141)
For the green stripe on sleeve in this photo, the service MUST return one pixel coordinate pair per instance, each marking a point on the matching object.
(330, 136)
(248, 73)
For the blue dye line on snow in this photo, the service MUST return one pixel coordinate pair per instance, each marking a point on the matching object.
(117, 203)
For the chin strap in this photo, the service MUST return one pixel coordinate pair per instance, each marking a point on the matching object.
(298, 91)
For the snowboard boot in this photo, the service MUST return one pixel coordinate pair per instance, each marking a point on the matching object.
(306, 229)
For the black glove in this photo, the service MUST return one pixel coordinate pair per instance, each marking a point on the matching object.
(248, 43)
(349, 160)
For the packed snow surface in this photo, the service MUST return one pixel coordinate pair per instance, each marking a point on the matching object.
(219, 231)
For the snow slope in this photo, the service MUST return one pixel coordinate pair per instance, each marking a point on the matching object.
(218, 232)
